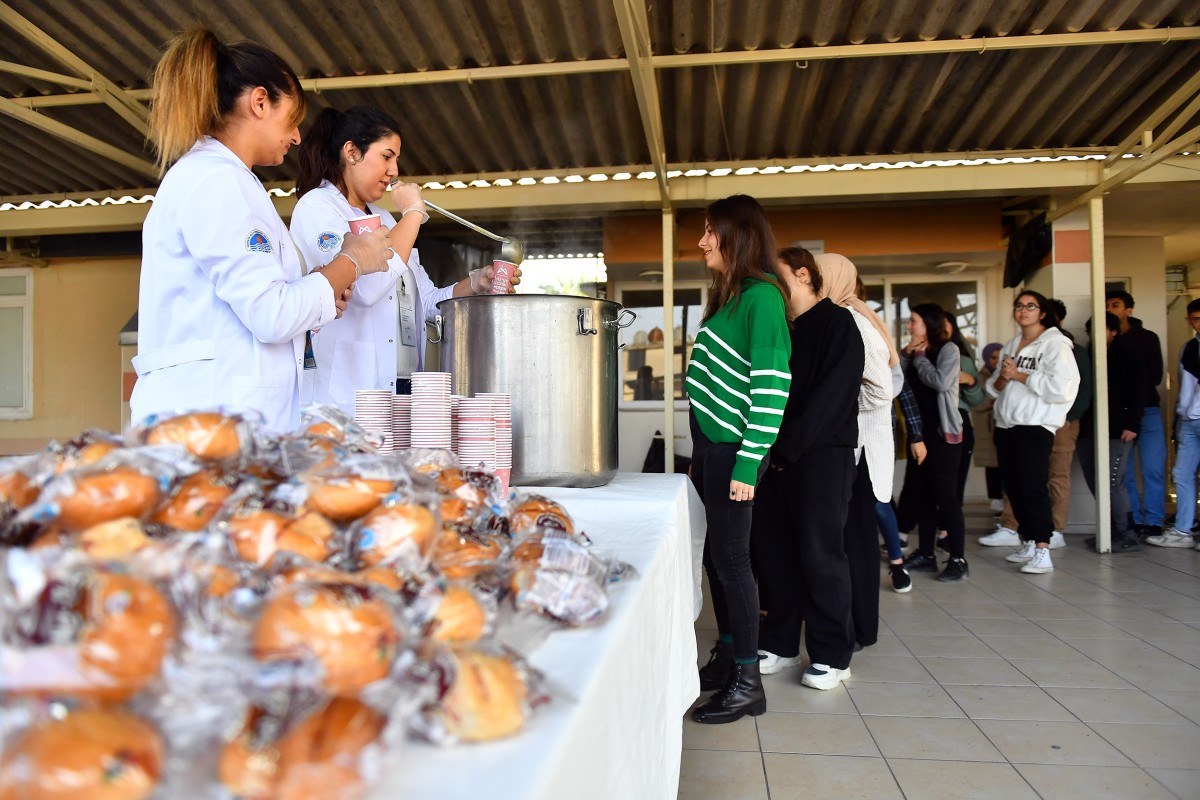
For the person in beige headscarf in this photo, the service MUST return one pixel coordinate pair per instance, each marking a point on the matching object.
(874, 457)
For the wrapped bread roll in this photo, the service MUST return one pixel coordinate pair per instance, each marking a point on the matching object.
(197, 500)
(536, 511)
(486, 700)
(345, 627)
(105, 496)
(401, 534)
(207, 435)
(258, 534)
(318, 759)
(460, 618)
(17, 489)
(114, 540)
(92, 754)
(127, 631)
(461, 557)
(344, 499)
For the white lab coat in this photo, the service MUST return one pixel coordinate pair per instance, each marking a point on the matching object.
(358, 351)
(223, 306)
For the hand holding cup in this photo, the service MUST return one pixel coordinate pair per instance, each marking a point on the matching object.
(369, 251)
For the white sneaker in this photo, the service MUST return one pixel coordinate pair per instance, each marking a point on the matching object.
(1057, 540)
(1024, 554)
(769, 663)
(1001, 537)
(1171, 538)
(997, 506)
(1040, 563)
(823, 676)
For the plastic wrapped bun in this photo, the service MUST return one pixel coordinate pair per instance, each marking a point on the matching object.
(208, 435)
(92, 754)
(461, 617)
(257, 534)
(105, 496)
(318, 759)
(197, 500)
(18, 488)
(348, 629)
(535, 511)
(402, 534)
(129, 626)
(114, 540)
(459, 556)
(487, 699)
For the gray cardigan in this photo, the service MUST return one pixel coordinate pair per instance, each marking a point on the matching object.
(944, 378)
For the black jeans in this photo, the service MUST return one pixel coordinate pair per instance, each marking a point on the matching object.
(800, 557)
(727, 543)
(968, 450)
(936, 495)
(1024, 455)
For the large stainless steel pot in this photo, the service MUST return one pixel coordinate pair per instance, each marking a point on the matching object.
(557, 356)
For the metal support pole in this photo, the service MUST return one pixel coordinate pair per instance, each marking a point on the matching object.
(1100, 370)
(668, 282)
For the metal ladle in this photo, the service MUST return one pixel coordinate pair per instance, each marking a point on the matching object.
(511, 248)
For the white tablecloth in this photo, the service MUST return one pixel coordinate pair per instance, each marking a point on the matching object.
(619, 733)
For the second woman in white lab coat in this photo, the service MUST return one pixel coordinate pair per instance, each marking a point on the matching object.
(347, 162)
(223, 307)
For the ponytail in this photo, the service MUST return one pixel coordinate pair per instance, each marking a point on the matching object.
(197, 82)
(321, 148)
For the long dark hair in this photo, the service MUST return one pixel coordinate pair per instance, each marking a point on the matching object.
(957, 337)
(747, 247)
(321, 150)
(935, 319)
(1049, 318)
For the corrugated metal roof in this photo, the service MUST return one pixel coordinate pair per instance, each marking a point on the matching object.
(1059, 97)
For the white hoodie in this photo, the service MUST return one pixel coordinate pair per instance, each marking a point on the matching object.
(1047, 395)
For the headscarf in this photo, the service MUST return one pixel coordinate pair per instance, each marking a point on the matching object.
(838, 279)
(987, 352)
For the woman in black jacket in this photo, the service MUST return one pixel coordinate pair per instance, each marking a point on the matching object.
(796, 539)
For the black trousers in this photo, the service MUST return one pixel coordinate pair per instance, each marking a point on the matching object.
(727, 544)
(935, 496)
(800, 557)
(968, 450)
(995, 486)
(860, 539)
(1024, 455)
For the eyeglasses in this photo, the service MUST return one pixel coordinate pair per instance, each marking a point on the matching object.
(1026, 307)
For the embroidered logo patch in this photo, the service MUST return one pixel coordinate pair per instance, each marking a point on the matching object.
(328, 241)
(257, 242)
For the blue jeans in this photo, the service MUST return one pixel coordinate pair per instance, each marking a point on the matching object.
(885, 515)
(1149, 506)
(1187, 460)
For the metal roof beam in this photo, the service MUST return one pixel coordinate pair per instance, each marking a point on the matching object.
(689, 60)
(62, 131)
(44, 75)
(1161, 113)
(107, 92)
(1144, 163)
(635, 34)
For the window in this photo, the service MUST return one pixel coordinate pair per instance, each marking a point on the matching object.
(641, 359)
(16, 344)
(894, 298)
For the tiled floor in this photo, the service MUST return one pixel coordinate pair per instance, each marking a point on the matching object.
(1081, 683)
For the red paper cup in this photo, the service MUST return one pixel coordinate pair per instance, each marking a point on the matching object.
(502, 273)
(360, 225)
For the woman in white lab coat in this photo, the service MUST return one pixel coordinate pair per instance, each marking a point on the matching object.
(223, 307)
(347, 162)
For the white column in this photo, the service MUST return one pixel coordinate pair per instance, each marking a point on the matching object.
(1100, 371)
(668, 282)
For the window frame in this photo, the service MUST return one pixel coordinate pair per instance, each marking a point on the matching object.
(640, 286)
(23, 301)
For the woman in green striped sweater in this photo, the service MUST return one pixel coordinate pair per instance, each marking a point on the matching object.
(737, 382)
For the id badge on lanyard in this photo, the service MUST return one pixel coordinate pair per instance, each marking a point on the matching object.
(408, 314)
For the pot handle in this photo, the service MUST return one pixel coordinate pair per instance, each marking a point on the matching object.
(437, 323)
(621, 322)
(586, 322)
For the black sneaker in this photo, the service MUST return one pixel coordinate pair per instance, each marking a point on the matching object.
(1145, 532)
(900, 580)
(919, 562)
(956, 569)
(1125, 544)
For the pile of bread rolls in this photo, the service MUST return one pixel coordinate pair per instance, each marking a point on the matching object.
(331, 598)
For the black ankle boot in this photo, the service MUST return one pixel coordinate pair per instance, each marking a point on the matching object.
(715, 673)
(743, 694)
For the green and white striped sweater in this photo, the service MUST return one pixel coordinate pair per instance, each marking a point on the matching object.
(738, 375)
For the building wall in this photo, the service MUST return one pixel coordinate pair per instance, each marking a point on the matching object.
(79, 307)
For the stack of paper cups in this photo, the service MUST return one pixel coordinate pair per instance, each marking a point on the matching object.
(373, 412)
(402, 421)
(476, 433)
(431, 410)
(502, 412)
